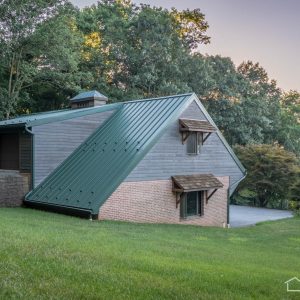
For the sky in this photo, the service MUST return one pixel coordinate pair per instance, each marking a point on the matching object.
(264, 31)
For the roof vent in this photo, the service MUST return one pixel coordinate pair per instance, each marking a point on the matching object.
(88, 99)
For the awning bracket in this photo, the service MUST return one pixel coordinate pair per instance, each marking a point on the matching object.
(184, 136)
(206, 137)
(178, 198)
(210, 195)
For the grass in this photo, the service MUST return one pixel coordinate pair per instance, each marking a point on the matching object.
(50, 256)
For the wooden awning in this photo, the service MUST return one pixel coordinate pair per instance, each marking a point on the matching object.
(198, 182)
(196, 126)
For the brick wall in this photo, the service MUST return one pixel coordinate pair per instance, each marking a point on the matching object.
(13, 187)
(154, 202)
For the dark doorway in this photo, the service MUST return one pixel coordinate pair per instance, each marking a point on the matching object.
(9, 151)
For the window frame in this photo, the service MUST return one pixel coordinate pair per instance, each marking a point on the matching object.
(199, 202)
(197, 143)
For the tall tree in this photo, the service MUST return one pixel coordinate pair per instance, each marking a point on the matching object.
(262, 97)
(289, 133)
(138, 50)
(105, 28)
(243, 102)
(154, 54)
(38, 44)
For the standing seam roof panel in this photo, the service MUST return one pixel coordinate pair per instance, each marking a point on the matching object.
(98, 166)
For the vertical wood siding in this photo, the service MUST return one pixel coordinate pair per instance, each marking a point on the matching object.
(54, 142)
(169, 157)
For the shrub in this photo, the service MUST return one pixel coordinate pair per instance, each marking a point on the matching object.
(272, 176)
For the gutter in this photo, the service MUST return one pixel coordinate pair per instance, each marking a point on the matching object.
(62, 209)
(32, 155)
(228, 197)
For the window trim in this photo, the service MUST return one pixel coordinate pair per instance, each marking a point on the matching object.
(198, 144)
(200, 205)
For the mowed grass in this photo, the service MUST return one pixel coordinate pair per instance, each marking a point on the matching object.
(49, 256)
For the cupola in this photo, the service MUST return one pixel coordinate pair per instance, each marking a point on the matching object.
(88, 99)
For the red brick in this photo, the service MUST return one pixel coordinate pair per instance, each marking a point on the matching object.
(154, 202)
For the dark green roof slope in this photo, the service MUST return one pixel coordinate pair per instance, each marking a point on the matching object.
(54, 116)
(98, 166)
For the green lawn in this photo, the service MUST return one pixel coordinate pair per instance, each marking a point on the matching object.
(50, 256)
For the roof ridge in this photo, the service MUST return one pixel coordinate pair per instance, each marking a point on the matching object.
(69, 110)
(56, 114)
(158, 98)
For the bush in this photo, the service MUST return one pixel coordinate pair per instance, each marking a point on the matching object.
(294, 194)
(273, 177)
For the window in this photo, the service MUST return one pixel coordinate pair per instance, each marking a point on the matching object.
(192, 204)
(192, 133)
(194, 143)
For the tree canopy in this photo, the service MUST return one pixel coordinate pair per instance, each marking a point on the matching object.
(273, 175)
(40, 49)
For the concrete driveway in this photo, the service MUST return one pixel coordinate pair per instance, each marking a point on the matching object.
(245, 216)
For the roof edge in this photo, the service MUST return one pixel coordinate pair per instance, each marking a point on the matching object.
(69, 114)
(158, 98)
(64, 209)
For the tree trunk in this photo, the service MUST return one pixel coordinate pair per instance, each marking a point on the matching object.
(262, 201)
(14, 82)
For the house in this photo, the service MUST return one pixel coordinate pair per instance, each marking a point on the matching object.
(160, 160)
(293, 285)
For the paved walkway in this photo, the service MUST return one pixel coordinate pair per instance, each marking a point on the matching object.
(245, 216)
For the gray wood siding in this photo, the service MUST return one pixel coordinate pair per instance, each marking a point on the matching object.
(169, 157)
(25, 152)
(54, 142)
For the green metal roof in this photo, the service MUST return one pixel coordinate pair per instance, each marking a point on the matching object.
(54, 116)
(97, 167)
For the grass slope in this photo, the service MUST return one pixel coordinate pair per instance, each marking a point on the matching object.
(49, 256)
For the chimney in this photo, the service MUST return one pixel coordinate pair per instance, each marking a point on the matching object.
(88, 99)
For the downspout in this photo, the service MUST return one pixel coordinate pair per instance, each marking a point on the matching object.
(32, 155)
(228, 196)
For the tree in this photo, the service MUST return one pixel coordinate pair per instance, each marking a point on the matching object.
(289, 133)
(105, 29)
(39, 45)
(197, 73)
(272, 172)
(222, 96)
(294, 193)
(154, 54)
(137, 50)
(191, 27)
(262, 96)
(243, 101)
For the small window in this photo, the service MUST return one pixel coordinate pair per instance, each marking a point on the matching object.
(194, 143)
(192, 204)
